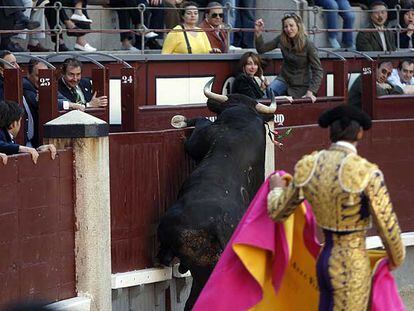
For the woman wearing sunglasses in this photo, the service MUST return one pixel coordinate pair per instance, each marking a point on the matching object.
(192, 41)
(301, 72)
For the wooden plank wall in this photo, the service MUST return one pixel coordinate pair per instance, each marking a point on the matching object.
(147, 170)
(37, 228)
(389, 144)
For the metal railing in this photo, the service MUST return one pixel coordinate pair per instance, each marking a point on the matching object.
(141, 29)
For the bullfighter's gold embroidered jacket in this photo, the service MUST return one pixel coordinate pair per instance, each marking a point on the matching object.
(346, 192)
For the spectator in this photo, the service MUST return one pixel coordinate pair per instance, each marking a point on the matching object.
(77, 90)
(403, 76)
(30, 124)
(251, 81)
(381, 40)
(31, 95)
(172, 15)
(384, 70)
(35, 11)
(244, 19)
(11, 59)
(13, 18)
(407, 22)
(301, 72)
(79, 20)
(192, 41)
(152, 19)
(332, 18)
(10, 120)
(214, 21)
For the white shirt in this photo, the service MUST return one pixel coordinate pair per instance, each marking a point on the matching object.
(395, 79)
(347, 145)
(382, 36)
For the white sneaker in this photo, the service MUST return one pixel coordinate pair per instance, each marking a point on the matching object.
(86, 48)
(150, 35)
(81, 18)
(232, 47)
(129, 48)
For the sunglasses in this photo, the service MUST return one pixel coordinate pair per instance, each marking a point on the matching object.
(291, 15)
(215, 15)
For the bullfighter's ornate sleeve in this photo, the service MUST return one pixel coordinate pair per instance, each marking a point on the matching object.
(282, 202)
(385, 218)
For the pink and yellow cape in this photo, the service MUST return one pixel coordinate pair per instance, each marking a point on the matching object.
(271, 266)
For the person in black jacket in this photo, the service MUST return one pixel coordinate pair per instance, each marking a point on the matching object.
(76, 89)
(251, 81)
(31, 95)
(10, 121)
(407, 22)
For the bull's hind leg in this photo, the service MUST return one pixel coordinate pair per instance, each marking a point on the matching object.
(200, 277)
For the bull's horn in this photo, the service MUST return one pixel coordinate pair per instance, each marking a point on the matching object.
(265, 109)
(211, 95)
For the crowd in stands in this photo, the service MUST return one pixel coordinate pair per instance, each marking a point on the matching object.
(300, 75)
(172, 14)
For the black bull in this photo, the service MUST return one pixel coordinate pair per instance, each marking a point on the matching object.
(211, 202)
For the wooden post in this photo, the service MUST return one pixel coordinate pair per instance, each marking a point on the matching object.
(100, 83)
(13, 90)
(369, 93)
(129, 95)
(88, 136)
(340, 71)
(48, 103)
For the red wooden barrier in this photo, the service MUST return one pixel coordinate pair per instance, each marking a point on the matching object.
(37, 229)
(13, 90)
(390, 144)
(147, 170)
(48, 104)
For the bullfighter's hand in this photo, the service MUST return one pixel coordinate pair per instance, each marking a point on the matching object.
(101, 101)
(51, 148)
(277, 181)
(3, 158)
(259, 27)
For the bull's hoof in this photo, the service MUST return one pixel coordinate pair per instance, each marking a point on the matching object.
(179, 121)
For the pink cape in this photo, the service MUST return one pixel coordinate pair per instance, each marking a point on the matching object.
(232, 287)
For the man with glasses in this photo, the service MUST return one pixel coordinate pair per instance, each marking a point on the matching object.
(383, 87)
(213, 26)
(380, 40)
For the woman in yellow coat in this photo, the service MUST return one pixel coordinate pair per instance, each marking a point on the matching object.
(194, 40)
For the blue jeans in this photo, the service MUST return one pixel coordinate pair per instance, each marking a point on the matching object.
(244, 19)
(278, 87)
(332, 17)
